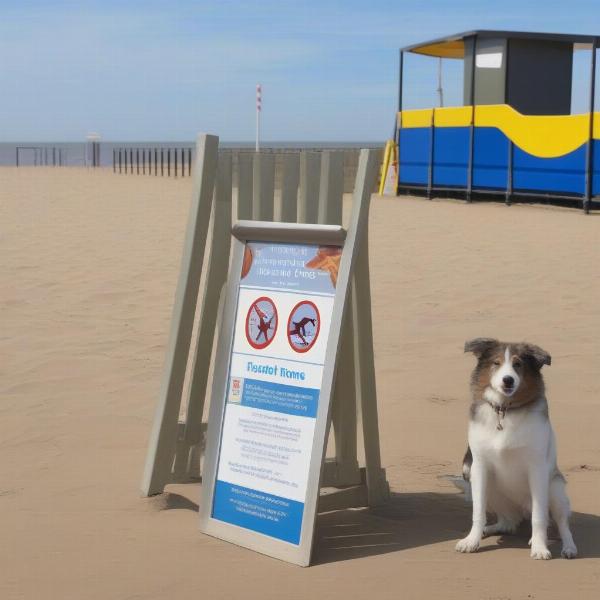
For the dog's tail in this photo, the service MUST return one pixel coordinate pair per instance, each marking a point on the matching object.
(461, 484)
(467, 462)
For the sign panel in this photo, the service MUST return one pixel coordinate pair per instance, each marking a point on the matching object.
(285, 301)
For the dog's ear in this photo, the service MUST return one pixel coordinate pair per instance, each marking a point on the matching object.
(479, 346)
(536, 355)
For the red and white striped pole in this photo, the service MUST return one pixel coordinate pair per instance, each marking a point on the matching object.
(258, 109)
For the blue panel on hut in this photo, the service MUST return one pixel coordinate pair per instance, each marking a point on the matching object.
(451, 156)
(414, 155)
(564, 174)
(490, 159)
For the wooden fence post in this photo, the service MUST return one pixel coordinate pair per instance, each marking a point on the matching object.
(263, 186)
(290, 179)
(244, 185)
(308, 198)
(331, 188)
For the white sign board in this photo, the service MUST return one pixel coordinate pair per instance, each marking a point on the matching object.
(266, 441)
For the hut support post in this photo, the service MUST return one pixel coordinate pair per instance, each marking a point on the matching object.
(589, 159)
(431, 155)
(509, 174)
(399, 116)
(472, 128)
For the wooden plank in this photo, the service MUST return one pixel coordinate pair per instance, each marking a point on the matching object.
(340, 499)
(244, 185)
(344, 407)
(378, 489)
(263, 186)
(308, 198)
(216, 275)
(331, 188)
(163, 436)
(290, 180)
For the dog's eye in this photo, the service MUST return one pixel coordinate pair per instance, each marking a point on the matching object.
(517, 364)
(497, 363)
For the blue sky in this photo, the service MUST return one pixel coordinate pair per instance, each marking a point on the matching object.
(166, 70)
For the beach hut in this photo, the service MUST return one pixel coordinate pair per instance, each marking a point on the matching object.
(514, 134)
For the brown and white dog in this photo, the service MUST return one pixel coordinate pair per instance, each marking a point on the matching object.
(511, 458)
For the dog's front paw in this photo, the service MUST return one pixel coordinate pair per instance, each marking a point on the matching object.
(540, 553)
(468, 544)
(569, 551)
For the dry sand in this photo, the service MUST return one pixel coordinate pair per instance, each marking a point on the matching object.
(88, 268)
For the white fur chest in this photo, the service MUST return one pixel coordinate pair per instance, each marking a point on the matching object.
(526, 428)
(509, 454)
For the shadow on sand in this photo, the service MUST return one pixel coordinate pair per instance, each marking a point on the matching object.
(409, 521)
(418, 519)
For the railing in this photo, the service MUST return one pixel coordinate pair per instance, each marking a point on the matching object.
(176, 162)
(43, 156)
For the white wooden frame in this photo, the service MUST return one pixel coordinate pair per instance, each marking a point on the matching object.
(311, 189)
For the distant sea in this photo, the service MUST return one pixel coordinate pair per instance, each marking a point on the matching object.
(73, 153)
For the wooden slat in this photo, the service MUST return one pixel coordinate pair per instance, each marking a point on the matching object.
(343, 410)
(263, 186)
(347, 497)
(244, 185)
(290, 179)
(377, 486)
(344, 406)
(163, 436)
(308, 198)
(216, 275)
(331, 188)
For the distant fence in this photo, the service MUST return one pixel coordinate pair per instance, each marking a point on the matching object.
(41, 156)
(153, 161)
(177, 162)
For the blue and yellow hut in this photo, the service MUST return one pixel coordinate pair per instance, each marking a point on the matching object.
(515, 134)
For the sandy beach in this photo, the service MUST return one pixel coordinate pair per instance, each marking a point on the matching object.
(88, 272)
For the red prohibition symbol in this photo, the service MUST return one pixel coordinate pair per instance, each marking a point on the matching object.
(303, 326)
(261, 322)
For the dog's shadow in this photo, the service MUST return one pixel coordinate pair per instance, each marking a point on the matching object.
(419, 519)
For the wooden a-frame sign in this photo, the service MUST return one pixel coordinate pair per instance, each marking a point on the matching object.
(297, 297)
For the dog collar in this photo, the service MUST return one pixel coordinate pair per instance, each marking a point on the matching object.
(502, 410)
(500, 414)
